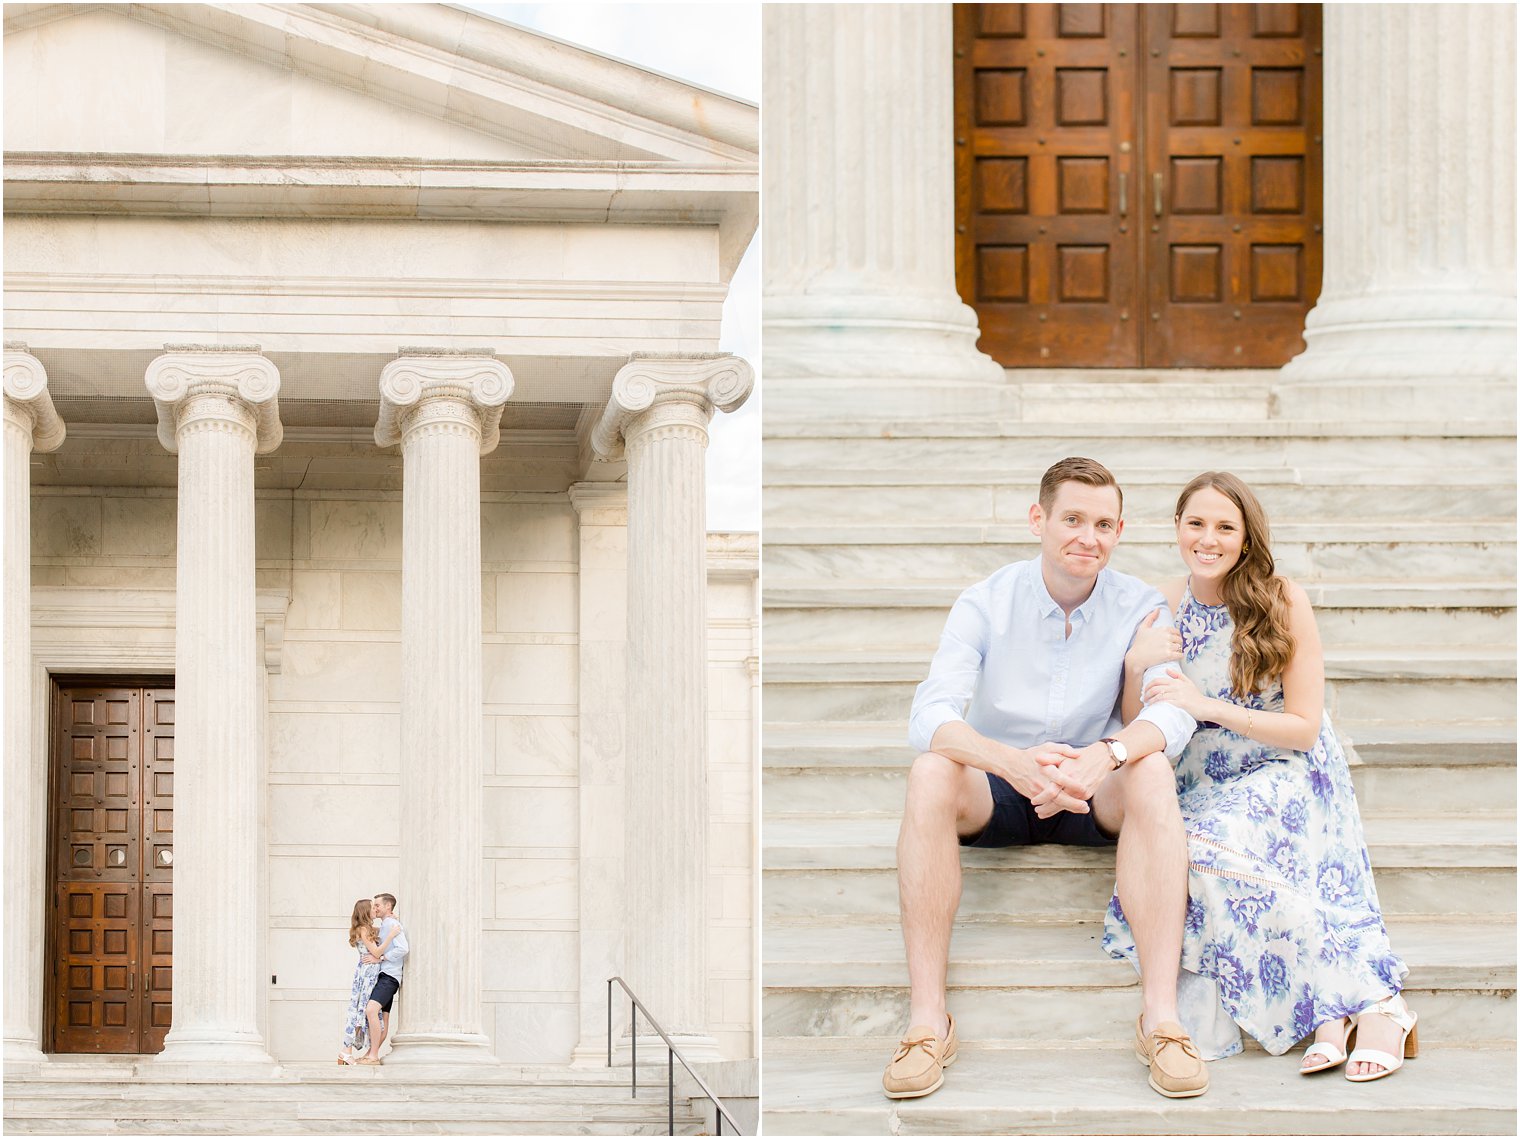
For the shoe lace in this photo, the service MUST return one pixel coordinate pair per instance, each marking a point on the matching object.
(1183, 1041)
(906, 1045)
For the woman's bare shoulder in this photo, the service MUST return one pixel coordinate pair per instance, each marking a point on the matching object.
(1172, 589)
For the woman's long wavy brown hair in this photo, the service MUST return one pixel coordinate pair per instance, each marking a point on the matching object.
(362, 919)
(1255, 596)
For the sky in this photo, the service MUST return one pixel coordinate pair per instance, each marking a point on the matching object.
(715, 46)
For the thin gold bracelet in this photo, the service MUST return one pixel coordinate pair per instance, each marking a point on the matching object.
(1248, 723)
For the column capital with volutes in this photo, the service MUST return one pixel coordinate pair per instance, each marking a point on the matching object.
(445, 389)
(27, 401)
(692, 386)
(231, 384)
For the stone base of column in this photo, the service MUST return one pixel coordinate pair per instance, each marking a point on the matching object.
(409, 1049)
(185, 1053)
(23, 1054)
(827, 335)
(1401, 356)
(698, 1048)
(593, 1055)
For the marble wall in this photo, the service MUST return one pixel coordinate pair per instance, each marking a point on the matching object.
(334, 817)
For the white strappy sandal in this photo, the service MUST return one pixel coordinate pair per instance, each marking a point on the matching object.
(1326, 1054)
(1396, 1010)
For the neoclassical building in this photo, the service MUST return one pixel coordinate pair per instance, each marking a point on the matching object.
(358, 367)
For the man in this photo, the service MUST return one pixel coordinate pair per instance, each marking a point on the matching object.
(389, 981)
(1037, 651)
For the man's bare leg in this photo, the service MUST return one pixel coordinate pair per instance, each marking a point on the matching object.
(376, 1033)
(1140, 802)
(945, 800)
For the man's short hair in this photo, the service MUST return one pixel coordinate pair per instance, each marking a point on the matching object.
(1090, 472)
(389, 899)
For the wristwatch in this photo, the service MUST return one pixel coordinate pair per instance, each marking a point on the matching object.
(1117, 750)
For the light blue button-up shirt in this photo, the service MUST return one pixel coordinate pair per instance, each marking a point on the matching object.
(395, 957)
(1006, 667)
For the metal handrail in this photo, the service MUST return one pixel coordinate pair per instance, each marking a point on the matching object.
(673, 1054)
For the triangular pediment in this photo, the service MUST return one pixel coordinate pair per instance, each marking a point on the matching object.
(418, 81)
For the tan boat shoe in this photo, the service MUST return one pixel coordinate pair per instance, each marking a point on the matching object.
(1177, 1071)
(918, 1066)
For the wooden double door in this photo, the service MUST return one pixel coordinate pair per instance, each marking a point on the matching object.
(112, 840)
(1138, 185)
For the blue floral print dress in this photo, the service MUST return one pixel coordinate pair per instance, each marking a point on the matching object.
(1283, 930)
(355, 1027)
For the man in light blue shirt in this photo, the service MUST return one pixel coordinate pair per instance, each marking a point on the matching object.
(1021, 742)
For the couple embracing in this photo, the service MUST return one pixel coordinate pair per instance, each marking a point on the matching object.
(1065, 705)
(376, 932)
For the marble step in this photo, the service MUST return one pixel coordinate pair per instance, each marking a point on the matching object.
(1459, 617)
(818, 746)
(1017, 982)
(813, 1088)
(1244, 395)
(837, 866)
(1004, 496)
(880, 787)
(69, 1100)
(1130, 446)
(911, 550)
(1467, 683)
(902, 664)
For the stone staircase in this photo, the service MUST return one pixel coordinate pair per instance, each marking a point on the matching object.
(122, 1096)
(1403, 534)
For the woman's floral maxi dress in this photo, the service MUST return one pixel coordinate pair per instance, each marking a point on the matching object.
(1283, 930)
(356, 1028)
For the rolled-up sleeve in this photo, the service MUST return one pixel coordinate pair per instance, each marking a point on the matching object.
(953, 673)
(1173, 723)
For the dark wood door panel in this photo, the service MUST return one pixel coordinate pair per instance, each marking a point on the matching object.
(112, 817)
(1233, 154)
(1138, 184)
(1044, 142)
(157, 989)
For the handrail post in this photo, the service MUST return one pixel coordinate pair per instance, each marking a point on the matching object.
(671, 1055)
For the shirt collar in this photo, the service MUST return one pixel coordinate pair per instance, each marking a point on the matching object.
(1049, 607)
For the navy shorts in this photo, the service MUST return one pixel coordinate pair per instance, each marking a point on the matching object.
(384, 991)
(1014, 823)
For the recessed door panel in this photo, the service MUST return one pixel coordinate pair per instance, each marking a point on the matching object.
(111, 936)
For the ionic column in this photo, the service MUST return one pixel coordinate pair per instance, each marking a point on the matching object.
(859, 201)
(1417, 313)
(658, 415)
(31, 424)
(217, 408)
(603, 648)
(444, 409)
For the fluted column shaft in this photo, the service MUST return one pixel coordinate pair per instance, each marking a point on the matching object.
(1419, 279)
(659, 413)
(860, 197)
(216, 409)
(442, 410)
(30, 424)
(667, 712)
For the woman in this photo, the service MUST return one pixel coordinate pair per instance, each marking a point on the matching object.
(1283, 935)
(361, 934)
